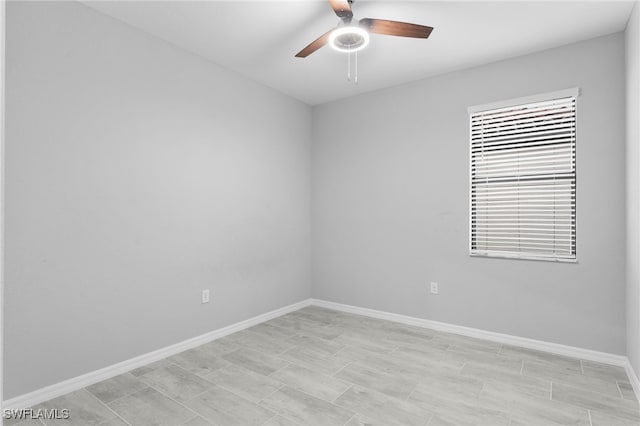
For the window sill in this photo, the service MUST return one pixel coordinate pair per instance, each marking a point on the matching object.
(524, 257)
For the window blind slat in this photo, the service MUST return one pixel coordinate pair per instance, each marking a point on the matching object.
(484, 128)
(537, 108)
(537, 133)
(553, 177)
(537, 152)
(506, 143)
(487, 125)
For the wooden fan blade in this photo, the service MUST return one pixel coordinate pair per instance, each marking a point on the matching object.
(395, 28)
(342, 8)
(314, 45)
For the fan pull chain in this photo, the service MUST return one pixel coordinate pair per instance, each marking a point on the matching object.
(355, 68)
(355, 78)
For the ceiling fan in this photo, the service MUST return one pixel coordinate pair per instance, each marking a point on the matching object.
(349, 37)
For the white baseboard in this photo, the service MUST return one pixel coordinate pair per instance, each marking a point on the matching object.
(633, 378)
(44, 394)
(540, 345)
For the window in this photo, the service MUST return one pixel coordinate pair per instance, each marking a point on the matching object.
(523, 179)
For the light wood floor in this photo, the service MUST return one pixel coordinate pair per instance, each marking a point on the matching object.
(321, 367)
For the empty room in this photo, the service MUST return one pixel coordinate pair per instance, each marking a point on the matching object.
(320, 212)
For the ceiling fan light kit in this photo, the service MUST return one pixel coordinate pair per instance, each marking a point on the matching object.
(351, 38)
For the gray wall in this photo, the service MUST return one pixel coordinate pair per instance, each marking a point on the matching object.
(633, 187)
(390, 203)
(137, 175)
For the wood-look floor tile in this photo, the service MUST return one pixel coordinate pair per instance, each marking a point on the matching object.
(358, 341)
(305, 409)
(360, 353)
(245, 383)
(255, 361)
(485, 371)
(314, 360)
(26, 422)
(280, 421)
(272, 331)
(604, 371)
(383, 408)
(542, 418)
(626, 390)
(197, 421)
(519, 387)
(537, 410)
(432, 345)
(551, 370)
(408, 336)
(116, 421)
(201, 360)
(467, 413)
(360, 420)
(390, 384)
(84, 409)
(327, 347)
(445, 389)
(496, 360)
(601, 419)
(116, 387)
(261, 343)
(316, 384)
(535, 355)
(370, 334)
(386, 363)
(222, 407)
(467, 343)
(291, 322)
(407, 330)
(429, 358)
(220, 347)
(581, 397)
(299, 325)
(324, 332)
(150, 367)
(176, 382)
(150, 407)
(558, 373)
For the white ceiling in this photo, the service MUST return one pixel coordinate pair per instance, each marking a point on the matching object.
(259, 39)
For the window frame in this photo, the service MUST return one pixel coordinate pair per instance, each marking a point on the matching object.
(549, 96)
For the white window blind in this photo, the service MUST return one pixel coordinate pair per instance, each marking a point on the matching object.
(523, 180)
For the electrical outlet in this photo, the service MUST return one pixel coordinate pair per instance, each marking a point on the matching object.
(205, 296)
(434, 288)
